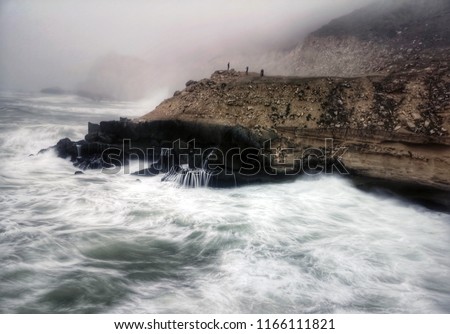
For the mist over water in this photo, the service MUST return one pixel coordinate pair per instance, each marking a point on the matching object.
(130, 49)
(107, 243)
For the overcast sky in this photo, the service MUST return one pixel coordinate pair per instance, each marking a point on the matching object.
(55, 42)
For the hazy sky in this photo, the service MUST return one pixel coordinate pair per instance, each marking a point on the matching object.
(55, 42)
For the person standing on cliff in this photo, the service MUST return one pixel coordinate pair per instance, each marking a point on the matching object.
(262, 73)
(228, 66)
(246, 70)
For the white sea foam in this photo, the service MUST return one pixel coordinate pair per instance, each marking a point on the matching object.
(107, 243)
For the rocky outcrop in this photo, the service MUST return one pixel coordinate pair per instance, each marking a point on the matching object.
(391, 126)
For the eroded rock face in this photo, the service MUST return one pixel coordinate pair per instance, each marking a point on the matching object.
(405, 103)
(394, 127)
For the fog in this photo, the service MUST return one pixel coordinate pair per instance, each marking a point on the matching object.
(133, 49)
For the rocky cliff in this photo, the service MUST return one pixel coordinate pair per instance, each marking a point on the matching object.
(393, 127)
(387, 117)
(381, 89)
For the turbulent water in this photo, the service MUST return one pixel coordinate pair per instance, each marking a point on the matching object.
(107, 243)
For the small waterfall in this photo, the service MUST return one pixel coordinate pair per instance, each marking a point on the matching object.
(188, 177)
(78, 151)
(191, 177)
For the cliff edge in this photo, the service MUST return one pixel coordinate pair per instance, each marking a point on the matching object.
(393, 127)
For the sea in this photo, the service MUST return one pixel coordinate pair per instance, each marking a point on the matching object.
(117, 243)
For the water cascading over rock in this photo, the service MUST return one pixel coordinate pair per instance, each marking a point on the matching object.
(188, 177)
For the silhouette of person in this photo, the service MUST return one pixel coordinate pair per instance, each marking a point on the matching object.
(262, 73)
(246, 70)
(228, 66)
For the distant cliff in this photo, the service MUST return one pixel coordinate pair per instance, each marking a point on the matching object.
(383, 37)
(117, 77)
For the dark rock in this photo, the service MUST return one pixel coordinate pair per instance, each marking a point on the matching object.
(92, 137)
(103, 138)
(93, 128)
(92, 162)
(190, 83)
(66, 148)
(151, 171)
(44, 150)
(78, 172)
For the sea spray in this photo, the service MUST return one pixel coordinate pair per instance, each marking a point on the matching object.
(106, 243)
